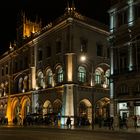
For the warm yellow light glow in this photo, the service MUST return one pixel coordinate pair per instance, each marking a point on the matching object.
(33, 78)
(83, 58)
(70, 68)
(30, 27)
(104, 85)
(8, 112)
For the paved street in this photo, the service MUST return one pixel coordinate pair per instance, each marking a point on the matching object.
(49, 133)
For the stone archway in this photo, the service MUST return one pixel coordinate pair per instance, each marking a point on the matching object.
(85, 110)
(103, 108)
(57, 106)
(25, 106)
(47, 107)
(15, 108)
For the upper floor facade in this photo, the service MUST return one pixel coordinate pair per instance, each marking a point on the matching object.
(51, 56)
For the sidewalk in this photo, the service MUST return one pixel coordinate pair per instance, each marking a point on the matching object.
(96, 128)
(87, 128)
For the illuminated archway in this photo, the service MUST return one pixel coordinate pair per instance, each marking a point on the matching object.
(47, 107)
(57, 106)
(85, 110)
(102, 108)
(25, 106)
(15, 108)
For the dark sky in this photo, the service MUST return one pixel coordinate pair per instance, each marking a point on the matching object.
(47, 10)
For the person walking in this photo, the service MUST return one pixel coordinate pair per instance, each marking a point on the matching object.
(68, 122)
(135, 121)
(111, 122)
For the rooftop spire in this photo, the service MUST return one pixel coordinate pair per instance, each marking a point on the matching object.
(73, 5)
(70, 7)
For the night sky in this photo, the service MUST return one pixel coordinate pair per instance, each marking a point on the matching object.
(47, 10)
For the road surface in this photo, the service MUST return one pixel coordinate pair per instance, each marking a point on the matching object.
(33, 133)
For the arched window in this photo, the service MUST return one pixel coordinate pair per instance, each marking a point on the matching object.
(40, 80)
(49, 77)
(20, 84)
(107, 75)
(81, 74)
(25, 83)
(97, 77)
(60, 75)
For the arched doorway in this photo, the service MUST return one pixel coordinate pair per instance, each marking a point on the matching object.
(25, 106)
(15, 108)
(47, 107)
(103, 108)
(57, 106)
(85, 112)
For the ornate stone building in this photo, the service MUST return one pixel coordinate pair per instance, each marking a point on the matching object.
(42, 73)
(125, 57)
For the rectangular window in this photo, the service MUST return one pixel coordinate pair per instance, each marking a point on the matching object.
(2, 71)
(6, 69)
(123, 62)
(26, 62)
(108, 52)
(83, 46)
(122, 18)
(58, 46)
(40, 54)
(21, 64)
(16, 66)
(137, 10)
(49, 51)
(99, 49)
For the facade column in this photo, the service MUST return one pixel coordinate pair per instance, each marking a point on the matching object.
(34, 101)
(68, 97)
(68, 104)
(112, 111)
(33, 76)
(130, 13)
(130, 58)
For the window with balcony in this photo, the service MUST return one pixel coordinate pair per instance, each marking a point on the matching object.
(81, 74)
(107, 75)
(20, 85)
(99, 75)
(40, 80)
(49, 77)
(60, 75)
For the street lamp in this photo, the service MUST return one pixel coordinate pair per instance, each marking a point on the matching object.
(84, 59)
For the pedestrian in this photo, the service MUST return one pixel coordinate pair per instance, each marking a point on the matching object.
(68, 122)
(120, 122)
(111, 121)
(125, 121)
(135, 121)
